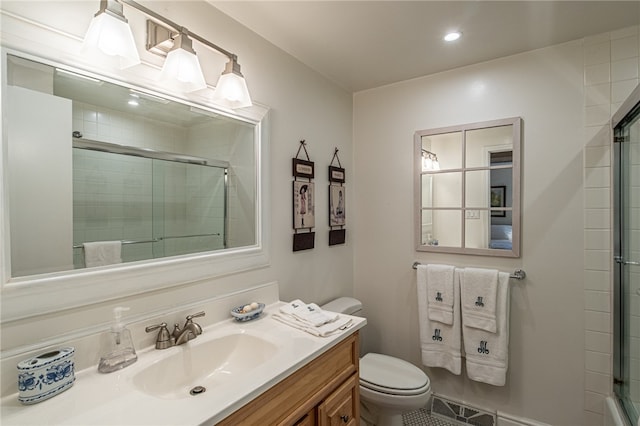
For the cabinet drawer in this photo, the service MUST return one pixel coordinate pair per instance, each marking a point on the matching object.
(342, 407)
(289, 400)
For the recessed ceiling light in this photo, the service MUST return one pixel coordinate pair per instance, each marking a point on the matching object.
(452, 36)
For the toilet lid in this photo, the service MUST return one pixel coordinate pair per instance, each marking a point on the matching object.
(392, 375)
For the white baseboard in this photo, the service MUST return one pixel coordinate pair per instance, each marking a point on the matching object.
(504, 419)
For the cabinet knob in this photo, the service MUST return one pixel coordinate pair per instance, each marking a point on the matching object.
(345, 418)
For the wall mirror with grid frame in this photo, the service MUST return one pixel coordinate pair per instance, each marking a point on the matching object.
(467, 188)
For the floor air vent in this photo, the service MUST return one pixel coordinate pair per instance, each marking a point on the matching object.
(462, 414)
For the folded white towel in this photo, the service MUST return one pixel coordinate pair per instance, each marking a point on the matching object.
(487, 354)
(336, 326)
(101, 253)
(440, 343)
(440, 293)
(310, 313)
(479, 289)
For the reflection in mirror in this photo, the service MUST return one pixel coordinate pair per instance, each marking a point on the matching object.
(139, 176)
(469, 198)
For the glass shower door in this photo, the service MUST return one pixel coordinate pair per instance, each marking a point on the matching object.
(627, 263)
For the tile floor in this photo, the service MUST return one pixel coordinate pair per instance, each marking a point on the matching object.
(422, 417)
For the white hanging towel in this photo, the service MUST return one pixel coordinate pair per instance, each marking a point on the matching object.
(487, 354)
(440, 293)
(440, 343)
(479, 292)
(101, 253)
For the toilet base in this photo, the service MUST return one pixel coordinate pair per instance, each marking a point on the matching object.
(371, 415)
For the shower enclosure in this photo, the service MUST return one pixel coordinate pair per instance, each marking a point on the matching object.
(158, 204)
(626, 315)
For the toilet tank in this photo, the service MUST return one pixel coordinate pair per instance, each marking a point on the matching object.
(344, 305)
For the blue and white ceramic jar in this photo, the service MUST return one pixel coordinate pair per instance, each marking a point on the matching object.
(45, 375)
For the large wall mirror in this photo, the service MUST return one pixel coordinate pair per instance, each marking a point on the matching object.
(467, 188)
(107, 178)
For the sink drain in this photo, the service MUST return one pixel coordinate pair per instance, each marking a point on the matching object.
(198, 390)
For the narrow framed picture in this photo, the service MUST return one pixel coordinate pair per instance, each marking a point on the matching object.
(336, 174)
(302, 168)
(337, 205)
(303, 205)
(498, 199)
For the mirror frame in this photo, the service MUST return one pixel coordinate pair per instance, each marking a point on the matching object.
(516, 122)
(24, 297)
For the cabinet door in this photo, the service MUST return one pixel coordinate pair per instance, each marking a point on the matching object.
(342, 407)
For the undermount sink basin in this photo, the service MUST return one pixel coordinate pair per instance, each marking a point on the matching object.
(207, 365)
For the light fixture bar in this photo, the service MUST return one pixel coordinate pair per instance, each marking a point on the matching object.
(177, 28)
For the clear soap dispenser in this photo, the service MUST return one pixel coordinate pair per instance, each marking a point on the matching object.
(117, 349)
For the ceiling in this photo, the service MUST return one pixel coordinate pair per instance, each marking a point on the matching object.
(364, 44)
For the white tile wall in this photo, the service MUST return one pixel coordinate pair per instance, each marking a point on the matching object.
(611, 72)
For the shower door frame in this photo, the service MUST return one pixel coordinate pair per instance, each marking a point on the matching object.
(628, 113)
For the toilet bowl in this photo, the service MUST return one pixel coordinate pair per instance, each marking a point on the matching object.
(389, 386)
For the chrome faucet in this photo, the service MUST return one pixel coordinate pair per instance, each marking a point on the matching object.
(190, 331)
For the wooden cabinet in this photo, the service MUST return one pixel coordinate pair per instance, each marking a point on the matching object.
(324, 392)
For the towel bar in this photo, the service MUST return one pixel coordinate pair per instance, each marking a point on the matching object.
(155, 240)
(518, 274)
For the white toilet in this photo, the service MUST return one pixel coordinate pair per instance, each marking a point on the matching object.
(389, 386)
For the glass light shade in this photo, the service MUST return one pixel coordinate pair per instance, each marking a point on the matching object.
(435, 165)
(112, 37)
(426, 163)
(232, 91)
(182, 70)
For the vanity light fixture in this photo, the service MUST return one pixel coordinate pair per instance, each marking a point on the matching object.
(109, 33)
(231, 87)
(182, 65)
(452, 36)
(429, 161)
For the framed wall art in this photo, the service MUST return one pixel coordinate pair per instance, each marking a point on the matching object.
(303, 205)
(337, 202)
(498, 199)
(303, 201)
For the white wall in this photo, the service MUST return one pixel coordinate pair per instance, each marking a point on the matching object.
(546, 373)
(304, 105)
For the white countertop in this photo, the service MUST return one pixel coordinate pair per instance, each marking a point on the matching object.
(114, 399)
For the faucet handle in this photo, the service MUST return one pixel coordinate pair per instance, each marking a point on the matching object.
(196, 315)
(165, 339)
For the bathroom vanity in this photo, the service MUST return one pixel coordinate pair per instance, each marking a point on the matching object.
(255, 372)
(323, 392)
